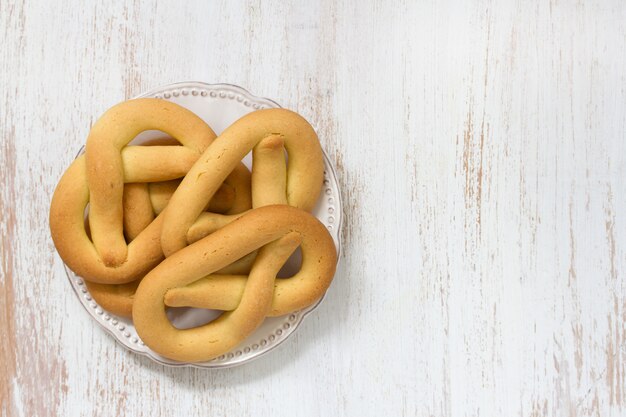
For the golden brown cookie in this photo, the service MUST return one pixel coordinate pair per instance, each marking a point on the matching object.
(276, 231)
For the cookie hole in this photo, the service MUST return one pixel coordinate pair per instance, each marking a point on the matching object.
(292, 266)
(189, 317)
(154, 137)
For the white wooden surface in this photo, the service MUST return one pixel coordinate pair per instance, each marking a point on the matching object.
(481, 150)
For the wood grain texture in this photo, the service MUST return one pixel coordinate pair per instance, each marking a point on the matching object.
(480, 146)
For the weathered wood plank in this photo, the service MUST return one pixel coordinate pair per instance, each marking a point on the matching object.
(481, 151)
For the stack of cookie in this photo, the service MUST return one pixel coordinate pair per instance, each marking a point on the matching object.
(182, 222)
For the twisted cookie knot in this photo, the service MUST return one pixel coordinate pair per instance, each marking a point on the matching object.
(269, 133)
(278, 230)
(98, 178)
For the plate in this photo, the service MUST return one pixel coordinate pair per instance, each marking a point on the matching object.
(219, 105)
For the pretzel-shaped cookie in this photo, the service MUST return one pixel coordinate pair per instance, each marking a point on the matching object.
(98, 178)
(299, 182)
(277, 230)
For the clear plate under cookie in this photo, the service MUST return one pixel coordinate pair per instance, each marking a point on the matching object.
(219, 105)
